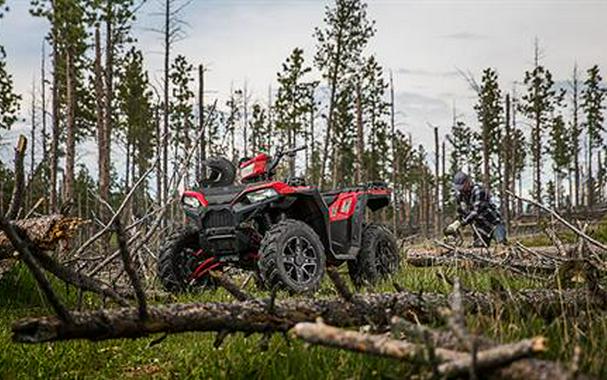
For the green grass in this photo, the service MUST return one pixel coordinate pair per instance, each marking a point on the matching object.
(192, 355)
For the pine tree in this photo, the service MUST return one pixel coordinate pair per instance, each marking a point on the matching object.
(375, 111)
(73, 40)
(137, 122)
(538, 104)
(292, 105)
(73, 114)
(343, 140)
(9, 100)
(551, 194)
(181, 110)
(261, 132)
(403, 154)
(466, 150)
(489, 113)
(519, 158)
(576, 132)
(339, 46)
(559, 148)
(232, 120)
(593, 96)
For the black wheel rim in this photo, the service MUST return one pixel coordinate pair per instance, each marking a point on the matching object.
(385, 258)
(300, 260)
(187, 265)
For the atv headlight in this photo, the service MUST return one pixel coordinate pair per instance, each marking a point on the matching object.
(261, 195)
(191, 202)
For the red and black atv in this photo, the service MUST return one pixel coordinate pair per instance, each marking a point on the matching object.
(286, 232)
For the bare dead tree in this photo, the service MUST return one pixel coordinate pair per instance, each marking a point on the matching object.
(17, 195)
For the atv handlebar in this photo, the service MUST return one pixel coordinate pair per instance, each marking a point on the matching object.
(280, 154)
(292, 151)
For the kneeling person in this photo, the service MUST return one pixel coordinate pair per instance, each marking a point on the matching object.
(476, 207)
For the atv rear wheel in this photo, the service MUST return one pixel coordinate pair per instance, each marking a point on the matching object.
(179, 257)
(292, 257)
(378, 257)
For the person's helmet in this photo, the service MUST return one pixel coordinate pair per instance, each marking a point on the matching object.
(217, 172)
(460, 180)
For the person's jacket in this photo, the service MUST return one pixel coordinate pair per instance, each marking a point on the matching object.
(477, 207)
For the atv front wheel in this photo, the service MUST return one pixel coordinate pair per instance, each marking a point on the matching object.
(378, 257)
(292, 257)
(179, 257)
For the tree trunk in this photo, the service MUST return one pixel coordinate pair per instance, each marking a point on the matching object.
(127, 166)
(43, 105)
(333, 85)
(201, 121)
(70, 151)
(33, 145)
(507, 149)
(394, 158)
(158, 148)
(360, 139)
(245, 121)
(444, 183)
(165, 116)
(537, 153)
(99, 110)
(590, 176)
(599, 163)
(437, 209)
(54, 153)
(312, 145)
(576, 142)
(105, 143)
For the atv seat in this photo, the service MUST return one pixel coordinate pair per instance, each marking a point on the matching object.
(221, 195)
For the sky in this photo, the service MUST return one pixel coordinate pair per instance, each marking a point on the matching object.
(424, 44)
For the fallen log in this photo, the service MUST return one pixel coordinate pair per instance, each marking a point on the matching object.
(473, 260)
(451, 363)
(492, 358)
(44, 232)
(546, 251)
(375, 344)
(256, 317)
(526, 368)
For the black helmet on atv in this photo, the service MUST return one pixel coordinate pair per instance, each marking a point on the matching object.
(217, 172)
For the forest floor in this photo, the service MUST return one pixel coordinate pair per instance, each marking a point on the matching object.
(192, 355)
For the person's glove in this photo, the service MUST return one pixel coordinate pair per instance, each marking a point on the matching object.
(453, 228)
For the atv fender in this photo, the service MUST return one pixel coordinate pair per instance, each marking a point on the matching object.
(309, 207)
(347, 216)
